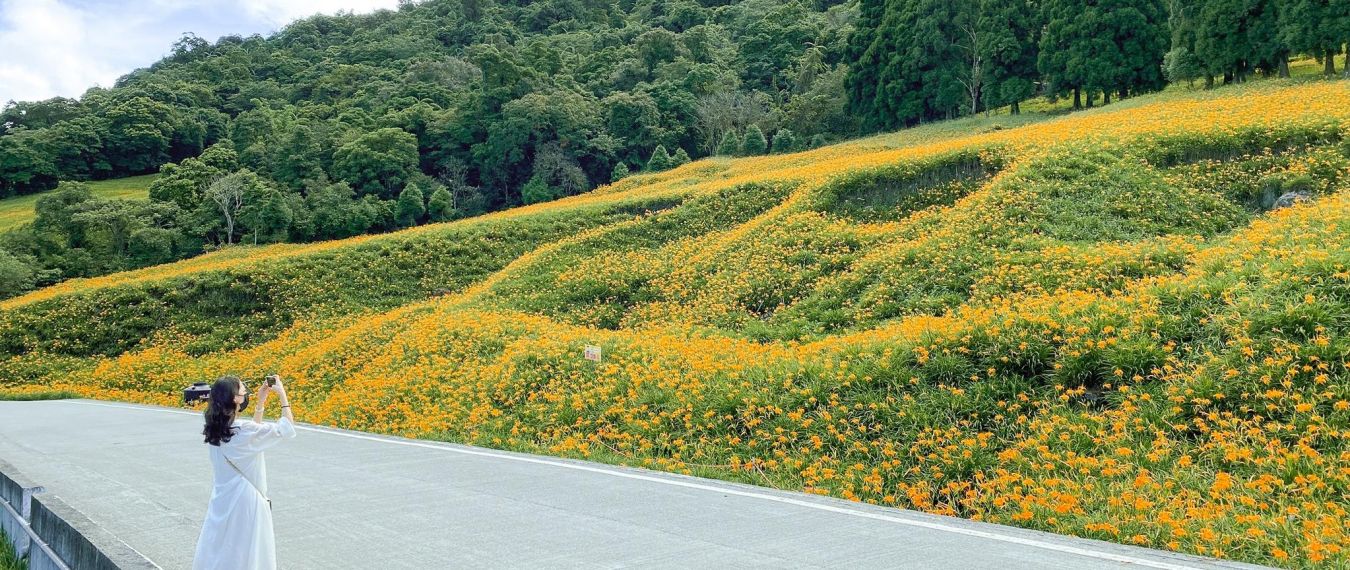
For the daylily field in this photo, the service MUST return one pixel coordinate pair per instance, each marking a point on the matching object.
(1094, 324)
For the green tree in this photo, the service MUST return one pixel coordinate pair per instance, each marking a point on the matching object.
(267, 214)
(55, 212)
(152, 246)
(536, 190)
(140, 132)
(227, 199)
(440, 207)
(660, 160)
(411, 206)
(16, 275)
(784, 141)
(1316, 27)
(636, 120)
(335, 211)
(679, 158)
(620, 172)
(114, 220)
(383, 213)
(1009, 43)
(656, 46)
(1181, 65)
(564, 120)
(377, 163)
(1234, 38)
(754, 143)
(729, 145)
(77, 148)
(1103, 48)
(25, 164)
(183, 183)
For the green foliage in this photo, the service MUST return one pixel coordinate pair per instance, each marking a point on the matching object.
(679, 158)
(660, 160)
(29, 397)
(184, 183)
(784, 141)
(1234, 38)
(411, 207)
(440, 206)
(9, 559)
(620, 172)
(1181, 65)
(536, 190)
(334, 213)
(246, 304)
(729, 145)
(1315, 27)
(75, 233)
(267, 214)
(1103, 51)
(16, 275)
(377, 163)
(754, 143)
(24, 165)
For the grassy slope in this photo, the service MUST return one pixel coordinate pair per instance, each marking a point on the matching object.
(1085, 324)
(18, 210)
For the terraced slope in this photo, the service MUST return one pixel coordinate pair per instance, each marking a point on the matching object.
(1095, 325)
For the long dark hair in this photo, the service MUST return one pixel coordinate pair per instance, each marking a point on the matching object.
(220, 409)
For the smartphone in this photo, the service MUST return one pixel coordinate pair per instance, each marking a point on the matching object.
(271, 380)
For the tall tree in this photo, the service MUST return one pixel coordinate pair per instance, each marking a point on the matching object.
(1009, 44)
(440, 206)
(226, 195)
(1320, 28)
(1234, 38)
(1102, 46)
(411, 207)
(754, 143)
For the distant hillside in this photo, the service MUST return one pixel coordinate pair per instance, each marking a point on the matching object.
(484, 94)
(1128, 323)
(17, 211)
(352, 124)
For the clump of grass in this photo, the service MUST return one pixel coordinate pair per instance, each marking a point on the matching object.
(43, 395)
(9, 559)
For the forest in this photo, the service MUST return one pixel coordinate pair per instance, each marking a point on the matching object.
(350, 124)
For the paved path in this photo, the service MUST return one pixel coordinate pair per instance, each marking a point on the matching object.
(352, 500)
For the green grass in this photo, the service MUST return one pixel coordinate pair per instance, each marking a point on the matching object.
(9, 560)
(18, 210)
(34, 396)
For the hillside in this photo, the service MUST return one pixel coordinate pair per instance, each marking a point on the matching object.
(350, 124)
(18, 210)
(1097, 324)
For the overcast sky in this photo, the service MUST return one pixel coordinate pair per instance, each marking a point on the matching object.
(63, 47)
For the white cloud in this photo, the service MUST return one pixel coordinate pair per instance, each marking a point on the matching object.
(52, 48)
(47, 52)
(282, 12)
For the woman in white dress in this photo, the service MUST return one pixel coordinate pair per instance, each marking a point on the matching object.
(237, 534)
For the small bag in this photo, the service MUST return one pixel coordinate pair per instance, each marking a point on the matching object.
(250, 483)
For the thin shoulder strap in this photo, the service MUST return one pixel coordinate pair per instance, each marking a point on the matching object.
(241, 474)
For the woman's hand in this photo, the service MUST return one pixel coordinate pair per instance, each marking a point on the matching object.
(280, 389)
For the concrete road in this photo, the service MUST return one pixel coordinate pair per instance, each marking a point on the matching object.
(353, 500)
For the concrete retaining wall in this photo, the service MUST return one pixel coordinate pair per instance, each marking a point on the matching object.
(55, 536)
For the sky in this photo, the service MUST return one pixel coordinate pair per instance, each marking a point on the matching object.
(51, 48)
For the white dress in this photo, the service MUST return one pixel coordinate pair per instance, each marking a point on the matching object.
(237, 534)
